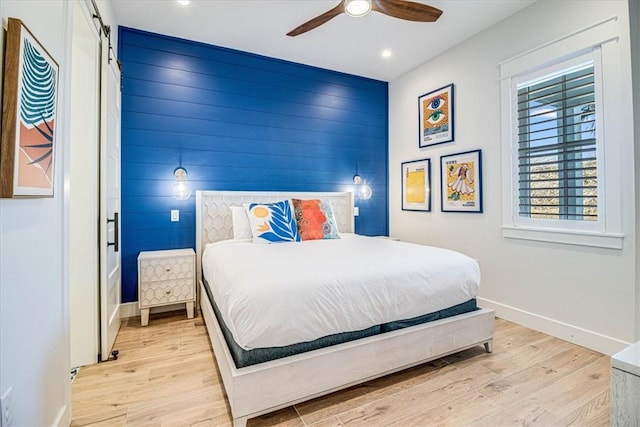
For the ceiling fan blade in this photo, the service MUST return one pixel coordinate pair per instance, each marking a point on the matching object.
(407, 10)
(318, 20)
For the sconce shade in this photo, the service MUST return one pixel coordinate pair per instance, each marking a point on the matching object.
(365, 191)
(181, 190)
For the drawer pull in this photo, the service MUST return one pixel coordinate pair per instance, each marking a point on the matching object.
(168, 292)
(167, 270)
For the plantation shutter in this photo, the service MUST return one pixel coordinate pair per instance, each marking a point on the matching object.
(557, 172)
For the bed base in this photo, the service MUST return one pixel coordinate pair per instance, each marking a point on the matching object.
(294, 379)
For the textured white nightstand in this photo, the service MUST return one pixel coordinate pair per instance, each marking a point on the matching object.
(166, 277)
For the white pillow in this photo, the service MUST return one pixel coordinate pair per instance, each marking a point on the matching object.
(240, 223)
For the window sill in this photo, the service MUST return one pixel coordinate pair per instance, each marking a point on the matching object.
(568, 237)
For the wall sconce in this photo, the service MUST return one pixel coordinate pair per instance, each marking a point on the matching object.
(181, 190)
(364, 192)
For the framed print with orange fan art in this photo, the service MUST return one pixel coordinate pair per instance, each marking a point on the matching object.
(29, 105)
(436, 117)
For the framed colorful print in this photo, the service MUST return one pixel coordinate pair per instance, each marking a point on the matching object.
(461, 181)
(27, 150)
(416, 185)
(436, 117)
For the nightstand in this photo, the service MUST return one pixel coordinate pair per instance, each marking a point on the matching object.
(166, 277)
(625, 386)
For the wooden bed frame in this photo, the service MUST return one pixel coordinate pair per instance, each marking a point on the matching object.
(269, 386)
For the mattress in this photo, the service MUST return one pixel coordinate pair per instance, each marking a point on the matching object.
(243, 358)
(288, 293)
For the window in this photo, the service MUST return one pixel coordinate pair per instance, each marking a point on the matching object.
(556, 146)
(562, 180)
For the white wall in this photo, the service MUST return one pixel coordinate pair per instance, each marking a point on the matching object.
(34, 319)
(585, 295)
(634, 13)
(34, 245)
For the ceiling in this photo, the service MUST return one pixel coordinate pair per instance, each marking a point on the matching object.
(350, 45)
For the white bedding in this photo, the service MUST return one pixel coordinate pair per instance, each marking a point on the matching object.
(286, 293)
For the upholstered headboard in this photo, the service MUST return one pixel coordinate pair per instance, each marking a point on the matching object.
(213, 213)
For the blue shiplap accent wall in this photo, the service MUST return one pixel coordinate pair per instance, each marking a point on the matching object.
(238, 121)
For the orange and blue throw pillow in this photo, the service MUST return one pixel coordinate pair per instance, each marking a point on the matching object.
(315, 219)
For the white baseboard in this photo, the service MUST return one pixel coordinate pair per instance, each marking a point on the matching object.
(131, 309)
(574, 334)
(64, 417)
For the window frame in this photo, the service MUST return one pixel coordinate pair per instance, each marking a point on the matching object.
(597, 43)
(551, 70)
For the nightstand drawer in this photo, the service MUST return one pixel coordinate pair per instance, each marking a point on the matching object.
(169, 268)
(166, 292)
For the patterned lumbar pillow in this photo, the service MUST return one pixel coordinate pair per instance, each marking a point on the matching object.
(315, 219)
(272, 222)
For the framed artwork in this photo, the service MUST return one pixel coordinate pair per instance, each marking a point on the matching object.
(436, 117)
(27, 150)
(416, 185)
(461, 181)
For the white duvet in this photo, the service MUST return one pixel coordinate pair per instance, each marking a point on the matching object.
(273, 295)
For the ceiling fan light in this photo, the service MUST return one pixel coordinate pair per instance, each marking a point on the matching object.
(357, 7)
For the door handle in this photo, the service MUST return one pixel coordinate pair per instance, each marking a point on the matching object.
(116, 239)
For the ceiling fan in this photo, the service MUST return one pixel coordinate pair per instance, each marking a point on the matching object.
(401, 9)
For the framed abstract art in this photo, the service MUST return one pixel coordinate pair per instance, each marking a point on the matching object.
(436, 117)
(461, 182)
(29, 106)
(416, 185)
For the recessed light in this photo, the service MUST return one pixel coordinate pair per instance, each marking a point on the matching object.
(183, 2)
(357, 8)
(386, 53)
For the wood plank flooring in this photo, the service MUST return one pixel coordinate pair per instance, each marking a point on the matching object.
(166, 376)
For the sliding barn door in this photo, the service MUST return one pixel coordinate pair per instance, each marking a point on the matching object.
(110, 271)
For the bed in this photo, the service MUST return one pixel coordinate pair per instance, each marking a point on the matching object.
(259, 387)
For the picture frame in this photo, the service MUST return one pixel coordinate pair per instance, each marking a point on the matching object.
(461, 182)
(29, 107)
(416, 185)
(436, 117)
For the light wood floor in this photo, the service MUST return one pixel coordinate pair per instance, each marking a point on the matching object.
(166, 376)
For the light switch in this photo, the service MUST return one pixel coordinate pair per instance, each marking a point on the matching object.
(356, 211)
(175, 215)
